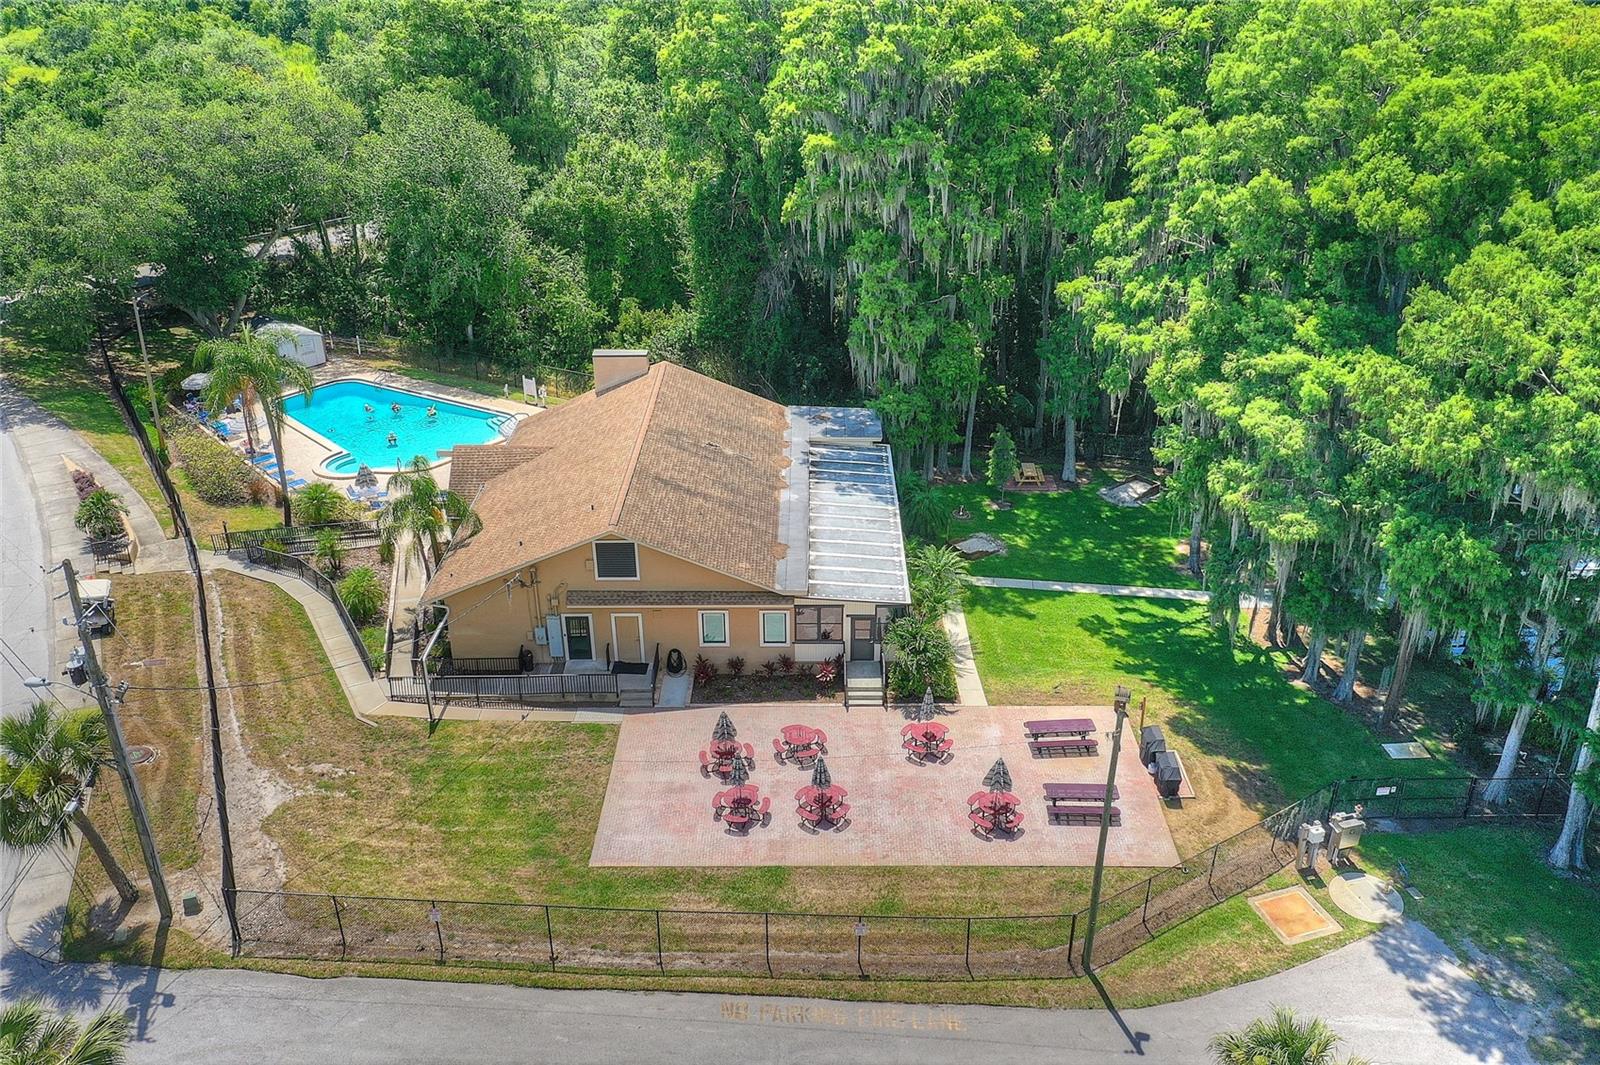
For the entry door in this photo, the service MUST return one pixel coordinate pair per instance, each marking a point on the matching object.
(627, 637)
(580, 637)
(861, 639)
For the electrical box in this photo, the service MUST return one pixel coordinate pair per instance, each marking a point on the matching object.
(1311, 838)
(540, 637)
(1344, 832)
(1151, 740)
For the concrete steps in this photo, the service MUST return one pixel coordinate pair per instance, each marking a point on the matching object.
(635, 697)
(863, 685)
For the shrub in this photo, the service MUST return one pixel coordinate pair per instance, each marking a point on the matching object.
(770, 667)
(84, 484)
(736, 666)
(216, 473)
(705, 670)
(274, 542)
(329, 552)
(922, 510)
(827, 672)
(1002, 461)
(317, 504)
(937, 576)
(361, 594)
(786, 664)
(924, 658)
(100, 515)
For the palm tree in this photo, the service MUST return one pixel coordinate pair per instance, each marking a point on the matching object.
(250, 369)
(418, 507)
(1282, 1039)
(318, 503)
(31, 1035)
(48, 762)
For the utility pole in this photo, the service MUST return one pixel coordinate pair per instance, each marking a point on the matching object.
(1121, 705)
(149, 385)
(130, 784)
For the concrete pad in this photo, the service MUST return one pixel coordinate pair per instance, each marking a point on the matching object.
(1366, 897)
(1293, 915)
(1401, 751)
(969, 686)
(658, 805)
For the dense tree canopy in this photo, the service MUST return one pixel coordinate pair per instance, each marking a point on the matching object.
(1338, 261)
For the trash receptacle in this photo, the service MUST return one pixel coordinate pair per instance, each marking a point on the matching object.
(1169, 775)
(1151, 740)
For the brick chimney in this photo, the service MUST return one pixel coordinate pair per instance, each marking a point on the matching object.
(617, 366)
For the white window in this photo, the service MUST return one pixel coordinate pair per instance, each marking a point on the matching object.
(774, 628)
(713, 628)
(615, 560)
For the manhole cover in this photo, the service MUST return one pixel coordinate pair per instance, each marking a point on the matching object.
(139, 754)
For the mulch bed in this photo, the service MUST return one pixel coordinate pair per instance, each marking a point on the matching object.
(794, 688)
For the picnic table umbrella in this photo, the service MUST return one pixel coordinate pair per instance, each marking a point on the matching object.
(196, 382)
(738, 774)
(365, 478)
(724, 730)
(820, 777)
(998, 778)
(926, 710)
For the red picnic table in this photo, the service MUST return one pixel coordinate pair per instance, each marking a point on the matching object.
(995, 811)
(926, 739)
(822, 805)
(800, 743)
(722, 755)
(740, 805)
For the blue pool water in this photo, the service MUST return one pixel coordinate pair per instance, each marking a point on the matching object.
(337, 411)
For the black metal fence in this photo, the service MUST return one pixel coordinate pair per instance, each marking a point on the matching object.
(297, 539)
(278, 560)
(1457, 798)
(503, 689)
(811, 945)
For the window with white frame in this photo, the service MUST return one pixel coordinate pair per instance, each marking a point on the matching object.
(713, 628)
(774, 628)
(616, 560)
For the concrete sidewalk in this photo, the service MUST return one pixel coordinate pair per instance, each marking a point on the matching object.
(1133, 591)
(969, 686)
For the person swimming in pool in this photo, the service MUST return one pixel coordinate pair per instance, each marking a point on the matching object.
(368, 408)
(394, 408)
(393, 440)
(433, 412)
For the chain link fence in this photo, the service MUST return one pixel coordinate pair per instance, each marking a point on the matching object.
(559, 383)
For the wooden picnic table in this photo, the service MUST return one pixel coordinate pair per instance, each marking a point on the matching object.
(1030, 473)
(1073, 793)
(1066, 726)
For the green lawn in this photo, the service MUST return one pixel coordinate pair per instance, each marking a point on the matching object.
(1250, 740)
(63, 383)
(1486, 888)
(1074, 536)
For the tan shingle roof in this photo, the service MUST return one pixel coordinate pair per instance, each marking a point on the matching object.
(673, 459)
(474, 465)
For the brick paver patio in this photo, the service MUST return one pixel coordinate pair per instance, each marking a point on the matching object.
(658, 806)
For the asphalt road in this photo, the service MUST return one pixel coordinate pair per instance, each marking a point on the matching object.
(25, 632)
(1397, 997)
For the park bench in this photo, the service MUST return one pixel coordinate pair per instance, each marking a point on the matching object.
(1081, 815)
(1064, 745)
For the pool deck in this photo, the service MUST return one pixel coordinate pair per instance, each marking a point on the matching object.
(304, 452)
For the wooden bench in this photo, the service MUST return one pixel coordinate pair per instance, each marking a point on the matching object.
(1030, 473)
(1064, 745)
(1081, 815)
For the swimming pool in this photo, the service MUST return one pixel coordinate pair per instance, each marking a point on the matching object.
(338, 413)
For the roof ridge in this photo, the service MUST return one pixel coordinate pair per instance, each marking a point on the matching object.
(638, 445)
